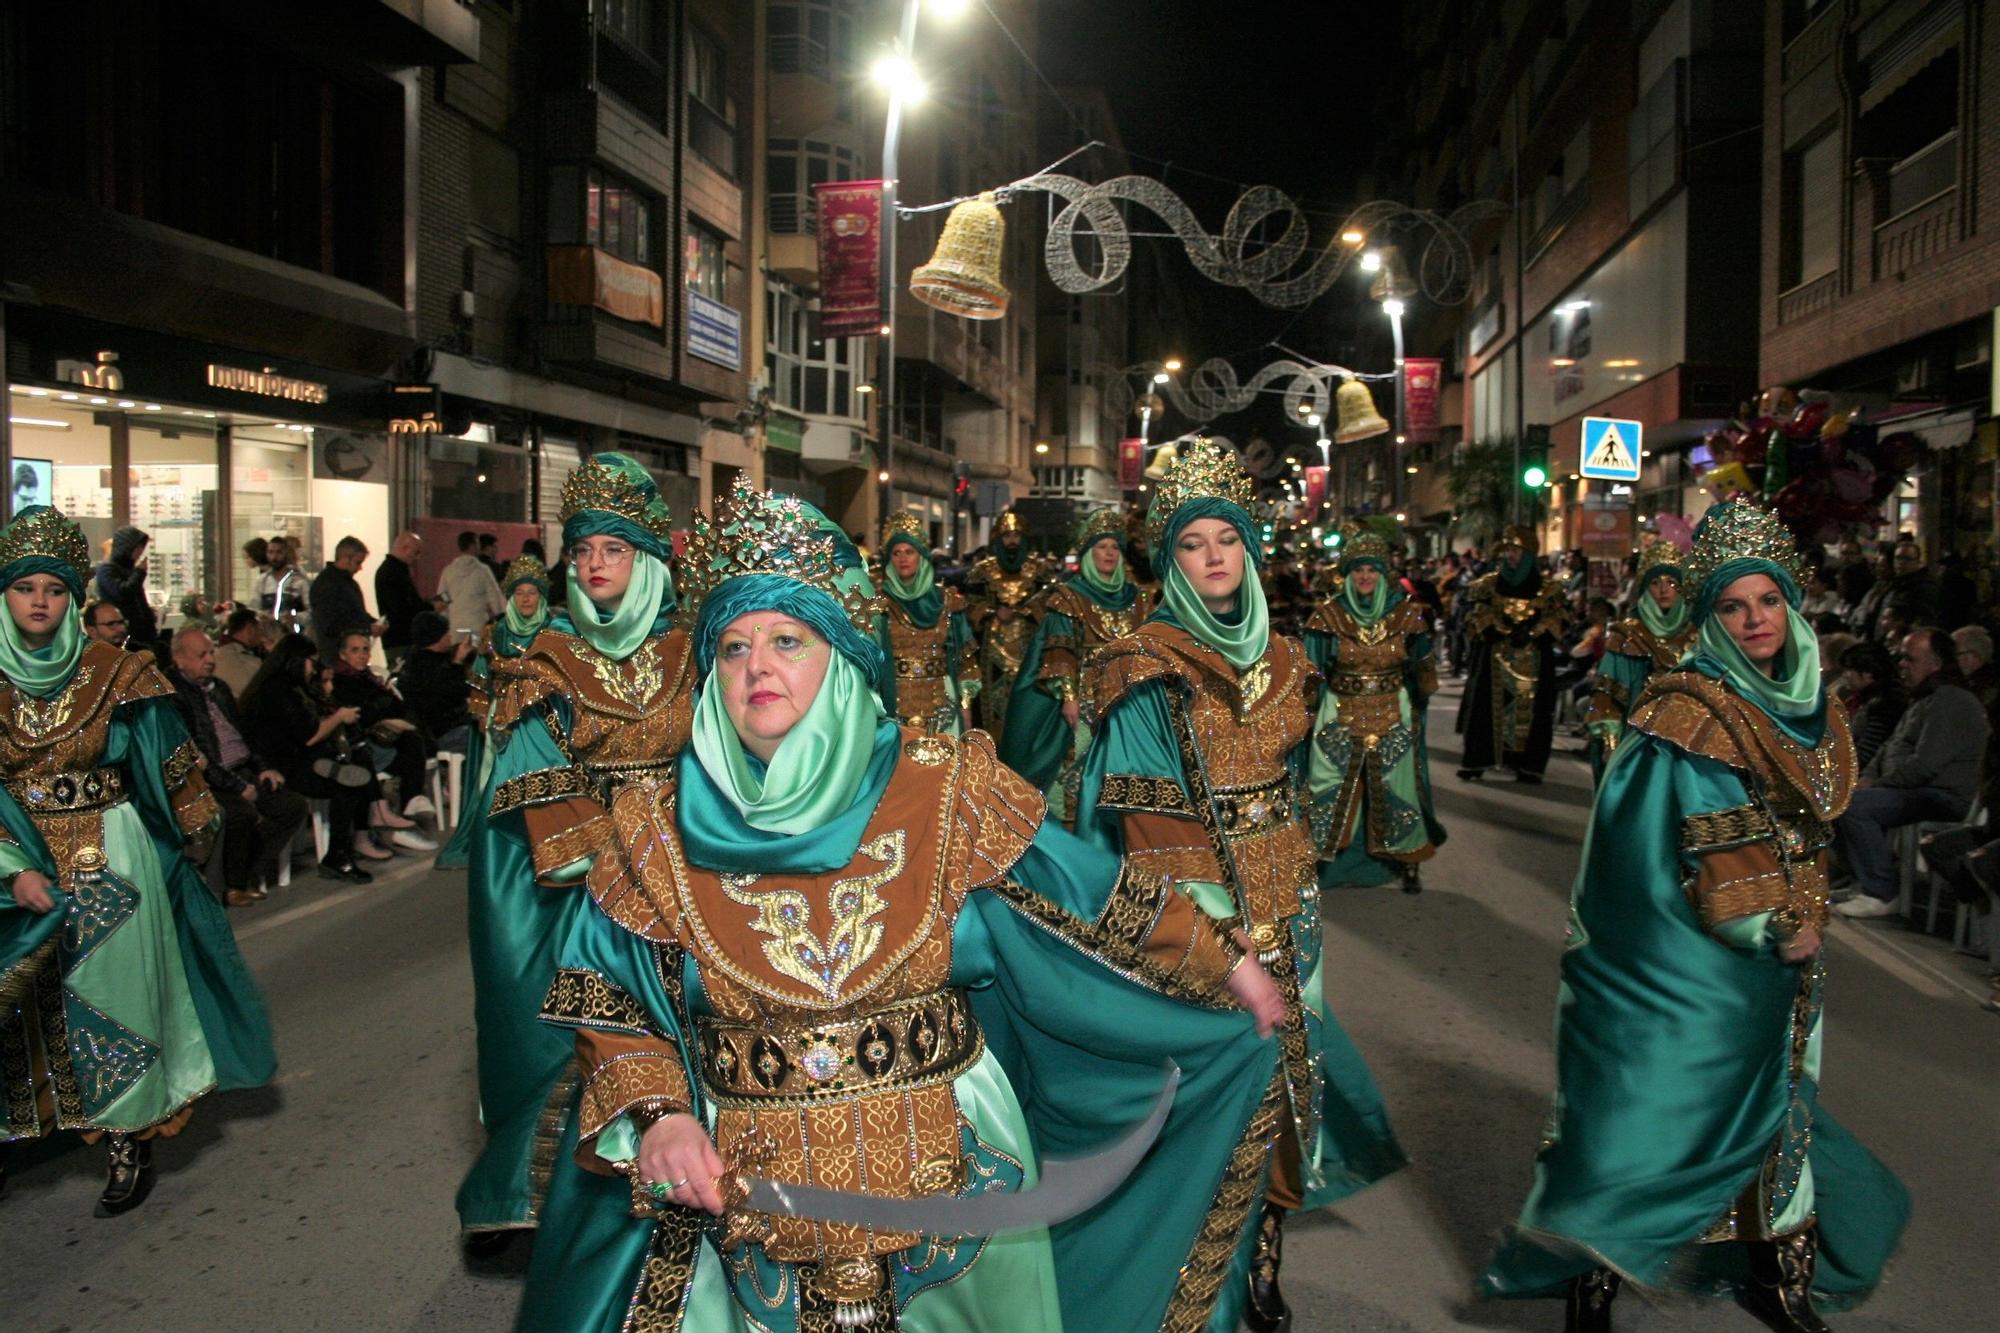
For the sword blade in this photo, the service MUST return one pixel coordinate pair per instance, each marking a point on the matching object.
(1068, 1186)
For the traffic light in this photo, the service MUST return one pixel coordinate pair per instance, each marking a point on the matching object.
(1535, 458)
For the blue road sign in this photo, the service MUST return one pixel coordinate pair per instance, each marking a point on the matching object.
(1611, 449)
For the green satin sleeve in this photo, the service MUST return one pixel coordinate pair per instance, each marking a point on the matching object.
(1135, 737)
(885, 688)
(1628, 671)
(529, 748)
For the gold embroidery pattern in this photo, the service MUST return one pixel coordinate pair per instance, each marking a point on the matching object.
(1106, 949)
(648, 1079)
(541, 787)
(41, 793)
(634, 681)
(1215, 1244)
(41, 717)
(548, 1140)
(1141, 792)
(582, 998)
(913, 1043)
(659, 1301)
(1717, 830)
(853, 904)
(183, 761)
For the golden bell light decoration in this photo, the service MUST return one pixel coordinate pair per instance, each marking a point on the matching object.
(1164, 459)
(963, 277)
(1358, 418)
(1392, 279)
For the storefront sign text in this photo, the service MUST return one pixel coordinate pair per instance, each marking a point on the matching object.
(266, 383)
(103, 373)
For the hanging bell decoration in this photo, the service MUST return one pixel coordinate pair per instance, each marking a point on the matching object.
(1164, 459)
(1357, 415)
(963, 277)
(1393, 279)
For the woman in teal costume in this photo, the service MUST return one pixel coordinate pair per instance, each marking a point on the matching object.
(1654, 638)
(1197, 772)
(1688, 1144)
(527, 591)
(1372, 811)
(122, 995)
(1046, 735)
(597, 696)
(793, 774)
(932, 673)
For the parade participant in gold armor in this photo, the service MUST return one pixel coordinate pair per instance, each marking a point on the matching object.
(1654, 639)
(526, 588)
(122, 995)
(1372, 812)
(1197, 772)
(832, 950)
(597, 697)
(1688, 1147)
(1002, 587)
(1046, 735)
(1513, 618)
(934, 661)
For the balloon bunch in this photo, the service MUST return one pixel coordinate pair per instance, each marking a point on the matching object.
(1822, 470)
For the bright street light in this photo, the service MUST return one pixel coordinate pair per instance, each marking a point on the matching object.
(1041, 446)
(1371, 261)
(1353, 236)
(1393, 308)
(1313, 418)
(950, 9)
(1161, 377)
(1173, 363)
(896, 74)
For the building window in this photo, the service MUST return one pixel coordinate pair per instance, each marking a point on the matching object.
(811, 36)
(711, 110)
(816, 376)
(707, 269)
(630, 21)
(1811, 218)
(795, 166)
(591, 206)
(1652, 150)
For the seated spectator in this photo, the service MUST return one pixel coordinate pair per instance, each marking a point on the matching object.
(1891, 627)
(241, 651)
(196, 611)
(1872, 694)
(393, 736)
(288, 714)
(1821, 597)
(104, 622)
(1928, 769)
(435, 681)
(259, 816)
(1973, 648)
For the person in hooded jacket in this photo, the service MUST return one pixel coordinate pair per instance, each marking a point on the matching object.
(121, 580)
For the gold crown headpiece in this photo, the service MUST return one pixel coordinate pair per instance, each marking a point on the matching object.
(904, 524)
(1656, 552)
(1521, 535)
(754, 532)
(524, 569)
(1361, 543)
(1097, 525)
(48, 532)
(1010, 522)
(1741, 530)
(1201, 470)
(612, 490)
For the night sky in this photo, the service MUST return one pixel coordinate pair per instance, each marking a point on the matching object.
(1254, 93)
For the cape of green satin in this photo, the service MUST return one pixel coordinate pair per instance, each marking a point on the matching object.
(42, 672)
(1081, 1068)
(1671, 1057)
(192, 1004)
(1241, 635)
(817, 768)
(644, 612)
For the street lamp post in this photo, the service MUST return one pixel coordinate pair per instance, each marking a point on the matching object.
(1393, 308)
(892, 130)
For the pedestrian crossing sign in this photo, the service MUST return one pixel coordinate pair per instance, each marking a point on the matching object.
(1611, 449)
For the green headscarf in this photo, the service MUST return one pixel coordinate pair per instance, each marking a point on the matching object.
(645, 612)
(921, 597)
(1795, 693)
(515, 631)
(1378, 602)
(1516, 572)
(819, 766)
(40, 672)
(1241, 637)
(1106, 587)
(1663, 624)
(616, 475)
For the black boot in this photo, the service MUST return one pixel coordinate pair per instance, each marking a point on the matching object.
(1413, 879)
(1589, 1308)
(1781, 1278)
(1267, 1311)
(129, 1174)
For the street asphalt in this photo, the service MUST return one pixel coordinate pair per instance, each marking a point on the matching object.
(325, 1201)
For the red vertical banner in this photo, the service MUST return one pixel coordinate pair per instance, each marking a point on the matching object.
(1131, 464)
(1423, 386)
(850, 257)
(1315, 489)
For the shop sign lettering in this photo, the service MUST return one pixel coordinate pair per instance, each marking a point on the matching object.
(266, 383)
(103, 373)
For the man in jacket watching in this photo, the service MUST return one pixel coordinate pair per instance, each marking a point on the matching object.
(337, 607)
(1928, 769)
(471, 593)
(396, 595)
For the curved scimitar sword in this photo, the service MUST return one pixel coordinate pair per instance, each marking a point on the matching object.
(1068, 1186)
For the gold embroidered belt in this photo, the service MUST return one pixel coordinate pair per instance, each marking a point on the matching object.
(912, 1043)
(908, 668)
(1365, 682)
(1246, 810)
(92, 789)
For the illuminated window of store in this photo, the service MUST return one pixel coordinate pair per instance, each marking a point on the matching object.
(707, 268)
(591, 206)
(270, 469)
(476, 476)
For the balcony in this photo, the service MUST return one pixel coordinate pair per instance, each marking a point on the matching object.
(1913, 237)
(1924, 174)
(1808, 298)
(804, 93)
(712, 138)
(796, 53)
